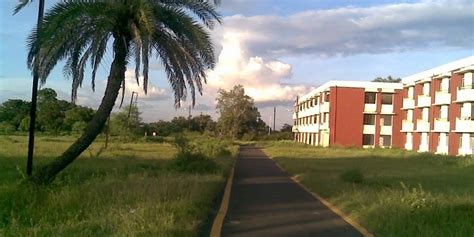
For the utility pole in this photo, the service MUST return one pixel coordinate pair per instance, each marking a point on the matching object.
(274, 116)
(34, 97)
(131, 101)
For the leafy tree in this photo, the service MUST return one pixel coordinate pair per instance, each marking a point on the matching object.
(13, 112)
(181, 122)
(238, 114)
(162, 128)
(388, 79)
(125, 123)
(51, 111)
(75, 115)
(202, 123)
(286, 128)
(79, 31)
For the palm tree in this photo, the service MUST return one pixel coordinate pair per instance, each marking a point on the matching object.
(79, 31)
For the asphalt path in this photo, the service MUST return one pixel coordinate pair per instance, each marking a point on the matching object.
(266, 202)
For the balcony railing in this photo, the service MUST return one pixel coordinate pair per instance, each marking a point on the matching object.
(441, 125)
(464, 125)
(422, 126)
(424, 101)
(442, 98)
(465, 93)
(407, 126)
(325, 107)
(408, 103)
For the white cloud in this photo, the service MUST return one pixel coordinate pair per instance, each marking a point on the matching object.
(154, 93)
(356, 30)
(263, 79)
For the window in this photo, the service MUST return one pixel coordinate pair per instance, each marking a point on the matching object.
(385, 140)
(368, 139)
(386, 120)
(326, 98)
(387, 99)
(369, 98)
(369, 119)
(315, 119)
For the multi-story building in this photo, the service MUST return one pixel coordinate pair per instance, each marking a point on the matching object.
(438, 109)
(350, 113)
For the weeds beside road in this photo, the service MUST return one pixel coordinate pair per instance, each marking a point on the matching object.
(126, 190)
(391, 192)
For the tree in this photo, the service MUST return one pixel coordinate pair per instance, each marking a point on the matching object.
(238, 114)
(13, 112)
(286, 128)
(79, 31)
(202, 123)
(388, 79)
(124, 125)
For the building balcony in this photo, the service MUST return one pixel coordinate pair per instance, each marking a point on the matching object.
(370, 108)
(464, 125)
(465, 93)
(295, 128)
(422, 126)
(408, 103)
(424, 101)
(386, 130)
(463, 151)
(387, 109)
(407, 126)
(424, 147)
(324, 126)
(325, 107)
(442, 98)
(369, 129)
(441, 125)
(442, 150)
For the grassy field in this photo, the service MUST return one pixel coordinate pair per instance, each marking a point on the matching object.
(391, 192)
(126, 190)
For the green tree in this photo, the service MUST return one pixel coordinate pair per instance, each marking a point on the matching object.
(389, 79)
(51, 111)
(79, 31)
(125, 123)
(181, 122)
(13, 112)
(238, 114)
(77, 114)
(202, 123)
(286, 128)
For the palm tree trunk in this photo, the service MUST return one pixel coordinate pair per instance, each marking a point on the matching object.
(46, 174)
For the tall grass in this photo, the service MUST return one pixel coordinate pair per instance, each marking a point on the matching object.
(126, 190)
(401, 193)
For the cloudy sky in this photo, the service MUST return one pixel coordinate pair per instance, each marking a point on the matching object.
(277, 49)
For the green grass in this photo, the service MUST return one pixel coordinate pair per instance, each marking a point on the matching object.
(126, 190)
(400, 193)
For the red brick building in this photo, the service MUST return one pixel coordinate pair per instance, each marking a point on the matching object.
(438, 109)
(350, 113)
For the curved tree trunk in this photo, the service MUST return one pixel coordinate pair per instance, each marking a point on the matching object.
(46, 174)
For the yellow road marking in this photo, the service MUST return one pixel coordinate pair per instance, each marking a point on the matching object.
(219, 220)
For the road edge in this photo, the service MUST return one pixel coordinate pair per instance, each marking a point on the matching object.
(220, 216)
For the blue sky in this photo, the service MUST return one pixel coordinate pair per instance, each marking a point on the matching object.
(278, 49)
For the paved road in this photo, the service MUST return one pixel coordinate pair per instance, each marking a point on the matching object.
(265, 202)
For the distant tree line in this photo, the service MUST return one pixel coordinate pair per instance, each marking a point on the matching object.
(239, 119)
(53, 115)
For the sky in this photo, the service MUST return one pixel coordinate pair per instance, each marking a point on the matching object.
(276, 49)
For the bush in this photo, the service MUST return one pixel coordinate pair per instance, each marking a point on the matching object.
(190, 158)
(193, 163)
(352, 176)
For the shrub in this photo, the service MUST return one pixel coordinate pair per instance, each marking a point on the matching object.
(352, 176)
(190, 159)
